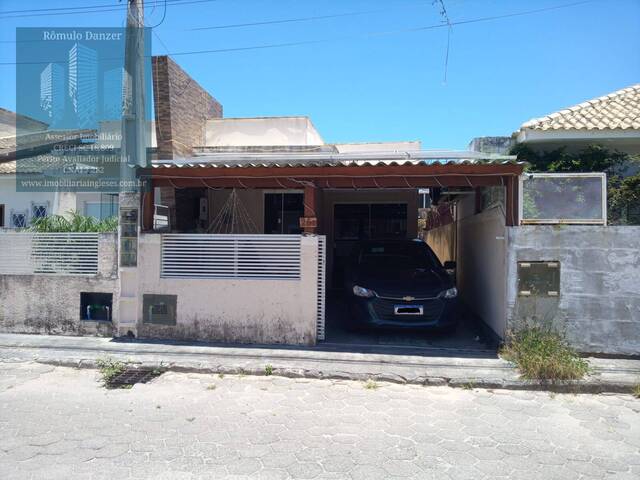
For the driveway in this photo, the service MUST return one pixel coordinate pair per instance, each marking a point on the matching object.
(467, 338)
(58, 422)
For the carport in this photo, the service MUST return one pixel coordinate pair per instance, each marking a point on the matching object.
(350, 196)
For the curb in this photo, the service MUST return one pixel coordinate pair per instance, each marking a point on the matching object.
(575, 387)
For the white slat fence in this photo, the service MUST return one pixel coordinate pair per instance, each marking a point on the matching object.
(230, 256)
(23, 253)
(322, 286)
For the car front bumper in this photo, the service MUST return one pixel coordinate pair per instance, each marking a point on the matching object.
(437, 313)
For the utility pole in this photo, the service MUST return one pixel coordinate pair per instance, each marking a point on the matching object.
(133, 155)
(134, 145)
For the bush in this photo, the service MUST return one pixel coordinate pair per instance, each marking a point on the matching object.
(542, 353)
(75, 223)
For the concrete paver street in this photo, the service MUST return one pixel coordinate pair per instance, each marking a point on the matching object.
(60, 423)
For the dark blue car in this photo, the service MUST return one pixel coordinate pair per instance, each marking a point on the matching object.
(400, 284)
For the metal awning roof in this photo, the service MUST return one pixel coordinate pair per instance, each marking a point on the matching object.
(333, 159)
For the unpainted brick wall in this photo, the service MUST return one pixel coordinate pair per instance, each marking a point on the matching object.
(182, 108)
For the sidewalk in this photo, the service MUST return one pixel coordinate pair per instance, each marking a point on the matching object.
(430, 367)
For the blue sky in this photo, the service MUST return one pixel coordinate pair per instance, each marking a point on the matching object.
(359, 85)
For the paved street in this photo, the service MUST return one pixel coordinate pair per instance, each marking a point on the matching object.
(60, 423)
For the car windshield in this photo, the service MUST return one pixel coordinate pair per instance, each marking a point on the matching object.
(397, 255)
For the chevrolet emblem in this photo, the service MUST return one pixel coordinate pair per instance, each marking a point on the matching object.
(408, 298)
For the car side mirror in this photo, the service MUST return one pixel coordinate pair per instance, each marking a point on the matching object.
(449, 265)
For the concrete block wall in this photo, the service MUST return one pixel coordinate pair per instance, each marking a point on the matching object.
(599, 302)
(182, 108)
(263, 311)
(481, 268)
(50, 304)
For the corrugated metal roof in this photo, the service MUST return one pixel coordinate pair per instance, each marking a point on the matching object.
(329, 159)
(297, 160)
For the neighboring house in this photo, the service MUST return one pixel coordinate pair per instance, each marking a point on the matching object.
(611, 120)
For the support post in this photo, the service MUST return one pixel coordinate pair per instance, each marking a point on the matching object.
(309, 223)
(511, 200)
(148, 205)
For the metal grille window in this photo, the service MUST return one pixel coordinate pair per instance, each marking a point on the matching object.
(39, 210)
(18, 219)
(230, 256)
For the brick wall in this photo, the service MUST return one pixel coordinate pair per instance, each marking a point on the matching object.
(182, 108)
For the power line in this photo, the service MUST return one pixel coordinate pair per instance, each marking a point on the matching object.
(350, 37)
(164, 15)
(44, 12)
(262, 23)
(445, 15)
(287, 20)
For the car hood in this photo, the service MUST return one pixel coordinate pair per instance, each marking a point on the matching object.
(399, 283)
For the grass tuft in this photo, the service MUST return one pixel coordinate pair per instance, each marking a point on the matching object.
(110, 369)
(371, 384)
(541, 353)
(636, 391)
(268, 370)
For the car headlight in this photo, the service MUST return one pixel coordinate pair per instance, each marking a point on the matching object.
(363, 292)
(451, 293)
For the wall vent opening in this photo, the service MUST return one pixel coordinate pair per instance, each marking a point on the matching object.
(96, 306)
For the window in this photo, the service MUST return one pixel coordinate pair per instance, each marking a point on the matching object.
(18, 219)
(282, 212)
(105, 208)
(39, 210)
(397, 255)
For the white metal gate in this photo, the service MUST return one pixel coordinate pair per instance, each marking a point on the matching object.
(322, 285)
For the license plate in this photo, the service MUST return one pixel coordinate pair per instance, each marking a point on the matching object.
(408, 309)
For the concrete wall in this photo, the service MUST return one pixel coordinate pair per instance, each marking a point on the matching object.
(481, 267)
(20, 201)
(261, 131)
(261, 311)
(110, 134)
(599, 302)
(411, 146)
(51, 303)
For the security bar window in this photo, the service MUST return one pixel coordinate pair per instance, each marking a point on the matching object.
(39, 210)
(18, 219)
